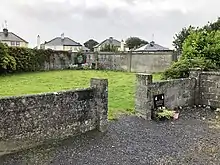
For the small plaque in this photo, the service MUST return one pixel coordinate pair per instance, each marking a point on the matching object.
(158, 101)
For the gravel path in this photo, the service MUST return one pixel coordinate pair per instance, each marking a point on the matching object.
(192, 139)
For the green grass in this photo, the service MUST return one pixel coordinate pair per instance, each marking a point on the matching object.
(121, 85)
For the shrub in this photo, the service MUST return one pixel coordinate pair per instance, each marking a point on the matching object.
(17, 59)
(181, 69)
(80, 58)
(200, 49)
(7, 62)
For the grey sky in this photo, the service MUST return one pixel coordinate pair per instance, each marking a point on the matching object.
(99, 19)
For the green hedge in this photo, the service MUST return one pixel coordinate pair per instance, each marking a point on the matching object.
(16, 59)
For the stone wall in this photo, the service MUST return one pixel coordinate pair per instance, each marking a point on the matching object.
(59, 60)
(34, 119)
(121, 61)
(176, 92)
(201, 88)
(210, 89)
(151, 62)
(135, 61)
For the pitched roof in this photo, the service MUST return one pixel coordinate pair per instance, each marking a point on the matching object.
(108, 41)
(11, 37)
(152, 46)
(64, 42)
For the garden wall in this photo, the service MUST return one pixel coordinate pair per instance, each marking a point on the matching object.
(59, 61)
(34, 119)
(201, 88)
(176, 92)
(135, 61)
(209, 88)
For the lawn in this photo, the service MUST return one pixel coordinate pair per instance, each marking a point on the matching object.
(121, 85)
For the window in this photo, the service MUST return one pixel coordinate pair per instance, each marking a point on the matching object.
(17, 43)
(12, 43)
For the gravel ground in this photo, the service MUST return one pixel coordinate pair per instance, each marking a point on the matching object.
(192, 139)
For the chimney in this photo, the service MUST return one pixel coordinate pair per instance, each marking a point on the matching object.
(5, 31)
(62, 36)
(122, 46)
(152, 43)
(111, 40)
(38, 42)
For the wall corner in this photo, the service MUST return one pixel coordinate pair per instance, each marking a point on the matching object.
(195, 73)
(142, 95)
(101, 102)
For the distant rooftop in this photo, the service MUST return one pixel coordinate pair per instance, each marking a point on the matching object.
(152, 46)
(110, 40)
(66, 41)
(9, 36)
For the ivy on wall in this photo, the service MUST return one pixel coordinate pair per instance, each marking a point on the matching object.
(80, 58)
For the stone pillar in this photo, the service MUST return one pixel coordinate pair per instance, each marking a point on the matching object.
(142, 96)
(129, 61)
(195, 73)
(101, 102)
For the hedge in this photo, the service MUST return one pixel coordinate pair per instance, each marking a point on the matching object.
(17, 59)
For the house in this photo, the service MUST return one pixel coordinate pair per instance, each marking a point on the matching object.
(61, 43)
(152, 47)
(120, 46)
(12, 39)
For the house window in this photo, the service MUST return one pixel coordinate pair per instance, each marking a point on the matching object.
(17, 43)
(12, 43)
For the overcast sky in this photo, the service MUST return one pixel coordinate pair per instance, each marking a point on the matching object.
(99, 19)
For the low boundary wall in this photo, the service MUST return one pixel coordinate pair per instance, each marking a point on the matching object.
(27, 121)
(201, 88)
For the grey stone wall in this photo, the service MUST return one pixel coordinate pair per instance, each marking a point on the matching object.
(201, 88)
(134, 61)
(121, 61)
(34, 119)
(177, 93)
(151, 62)
(59, 60)
(210, 89)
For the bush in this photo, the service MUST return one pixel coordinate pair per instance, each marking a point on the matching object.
(80, 58)
(200, 49)
(7, 62)
(181, 69)
(16, 59)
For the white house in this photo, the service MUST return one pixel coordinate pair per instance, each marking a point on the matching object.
(121, 46)
(61, 43)
(12, 39)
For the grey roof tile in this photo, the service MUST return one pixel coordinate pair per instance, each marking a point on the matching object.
(152, 47)
(108, 41)
(11, 37)
(65, 42)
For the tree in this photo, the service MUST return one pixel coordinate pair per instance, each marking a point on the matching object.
(135, 42)
(180, 38)
(185, 32)
(213, 26)
(90, 44)
(200, 49)
(203, 44)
